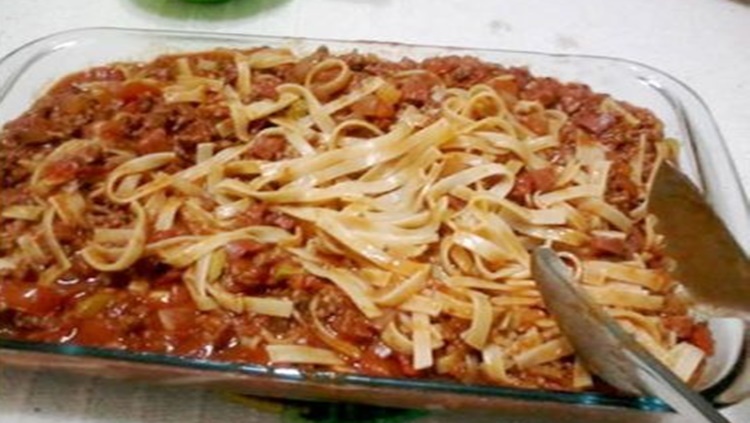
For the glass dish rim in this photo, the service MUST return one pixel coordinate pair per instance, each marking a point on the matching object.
(425, 385)
(289, 374)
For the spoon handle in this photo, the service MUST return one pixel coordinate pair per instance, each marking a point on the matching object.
(657, 380)
(607, 349)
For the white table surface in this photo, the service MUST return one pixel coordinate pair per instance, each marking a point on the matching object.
(702, 42)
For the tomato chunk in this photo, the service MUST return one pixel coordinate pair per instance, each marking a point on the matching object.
(30, 298)
(132, 91)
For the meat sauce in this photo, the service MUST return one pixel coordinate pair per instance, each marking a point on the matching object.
(147, 307)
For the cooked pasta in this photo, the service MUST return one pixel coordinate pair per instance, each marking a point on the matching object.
(335, 211)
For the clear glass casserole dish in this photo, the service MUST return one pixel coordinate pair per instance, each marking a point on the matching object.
(26, 71)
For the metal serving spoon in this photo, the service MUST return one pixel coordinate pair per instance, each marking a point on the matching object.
(608, 351)
(711, 264)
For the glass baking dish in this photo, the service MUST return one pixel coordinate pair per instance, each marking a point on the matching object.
(26, 72)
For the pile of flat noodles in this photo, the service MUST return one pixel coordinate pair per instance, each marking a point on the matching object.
(381, 198)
